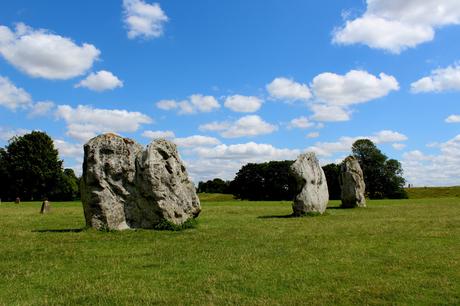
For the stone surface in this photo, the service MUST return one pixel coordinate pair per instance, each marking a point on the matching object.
(352, 183)
(125, 186)
(46, 207)
(313, 194)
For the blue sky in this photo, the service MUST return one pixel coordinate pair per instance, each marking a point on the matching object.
(233, 82)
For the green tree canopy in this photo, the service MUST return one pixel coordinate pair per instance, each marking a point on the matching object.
(265, 181)
(216, 185)
(383, 176)
(332, 173)
(30, 168)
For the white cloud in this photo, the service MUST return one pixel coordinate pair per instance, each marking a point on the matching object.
(243, 104)
(167, 104)
(215, 126)
(85, 122)
(100, 81)
(41, 108)
(6, 133)
(344, 143)
(322, 112)
(40, 53)
(388, 136)
(395, 25)
(313, 135)
(286, 89)
(204, 103)
(442, 169)
(195, 103)
(300, 123)
(453, 119)
(67, 149)
(398, 146)
(13, 97)
(158, 134)
(225, 160)
(250, 151)
(196, 141)
(143, 19)
(251, 125)
(440, 80)
(356, 86)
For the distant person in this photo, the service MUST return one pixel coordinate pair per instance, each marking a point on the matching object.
(17, 200)
(46, 207)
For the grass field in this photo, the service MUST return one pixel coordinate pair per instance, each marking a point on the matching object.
(433, 192)
(393, 252)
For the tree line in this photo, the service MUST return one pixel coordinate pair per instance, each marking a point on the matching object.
(274, 180)
(30, 169)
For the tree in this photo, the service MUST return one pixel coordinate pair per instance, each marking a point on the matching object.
(32, 166)
(266, 181)
(68, 187)
(332, 173)
(216, 185)
(383, 177)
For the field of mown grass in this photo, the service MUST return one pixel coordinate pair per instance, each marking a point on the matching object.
(433, 192)
(393, 252)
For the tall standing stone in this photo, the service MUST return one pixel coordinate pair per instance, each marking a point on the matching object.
(313, 194)
(125, 186)
(352, 183)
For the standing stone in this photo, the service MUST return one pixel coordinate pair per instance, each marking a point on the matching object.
(313, 194)
(46, 207)
(352, 183)
(125, 186)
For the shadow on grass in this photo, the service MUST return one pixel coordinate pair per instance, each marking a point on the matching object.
(277, 217)
(66, 230)
(307, 215)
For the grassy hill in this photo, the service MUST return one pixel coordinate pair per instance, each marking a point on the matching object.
(242, 253)
(433, 192)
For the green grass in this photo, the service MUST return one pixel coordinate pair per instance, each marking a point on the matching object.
(393, 252)
(433, 192)
(215, 197)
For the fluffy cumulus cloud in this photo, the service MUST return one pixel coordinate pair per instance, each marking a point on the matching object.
(13, 97)
(301, 123)
(251, 125)
(100, 81)
(445, 79)
(344, 143)
(323, 112)
(40, 53)
(288, 90)
(41, 108)
(356, 86)
(453, 119)
(67, 149)
(85, 122)
(8, 133)
(441, 169)
(196, 141)
(158, 134)
(243, 104)
(194, 104)
(395, 25)
(313, 135)
(143, 19)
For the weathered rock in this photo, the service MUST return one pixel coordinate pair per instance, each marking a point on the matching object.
(313, 194)
(46, 207)
(125, 186)
(352, 183)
